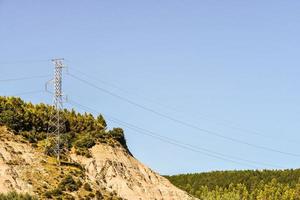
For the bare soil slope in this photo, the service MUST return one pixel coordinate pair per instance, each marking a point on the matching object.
(111, 173)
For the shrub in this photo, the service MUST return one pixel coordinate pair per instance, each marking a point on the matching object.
(15, 196)
(54, 192)
(87, 187)
(68, 184)
(83, 152)
(118, 135)
(85, 141)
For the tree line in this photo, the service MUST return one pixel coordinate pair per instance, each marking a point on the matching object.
(241, 185)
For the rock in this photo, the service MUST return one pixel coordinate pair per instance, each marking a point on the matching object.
(118, 171)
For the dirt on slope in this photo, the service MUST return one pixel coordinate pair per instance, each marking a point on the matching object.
(110, 173)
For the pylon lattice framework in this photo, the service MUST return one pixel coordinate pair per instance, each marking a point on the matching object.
(57, 122)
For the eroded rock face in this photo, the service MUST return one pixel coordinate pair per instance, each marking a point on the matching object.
(118, 171)
(111, 170)
(14, 159)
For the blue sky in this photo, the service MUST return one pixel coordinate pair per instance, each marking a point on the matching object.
(231, 67)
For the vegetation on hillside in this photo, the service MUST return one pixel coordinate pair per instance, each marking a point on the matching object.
(16, 196)
(33, 122)
(241, 185)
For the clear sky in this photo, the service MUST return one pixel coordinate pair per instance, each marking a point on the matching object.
(231, 67)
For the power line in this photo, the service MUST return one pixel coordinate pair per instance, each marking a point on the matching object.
(26, 93)
(151, 133)
(11, 62)
(190, 147)
(224, 123)
(24, 78)
(183, 123)
(156, 136)
(232, 125)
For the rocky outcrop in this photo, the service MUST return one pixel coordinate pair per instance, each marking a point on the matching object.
(118, 171)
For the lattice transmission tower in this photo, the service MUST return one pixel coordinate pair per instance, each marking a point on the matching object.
(57, 121)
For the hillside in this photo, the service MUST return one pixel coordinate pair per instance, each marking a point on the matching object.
(246, 185)
(96, 163)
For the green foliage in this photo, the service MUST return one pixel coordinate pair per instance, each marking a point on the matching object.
(118, 135)
(53, 193)
(101, 121)
(83, 152)
(85, 141)
(241, 185)
(16, 196)
(81, 131)
(21, 116)
(69, 184)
